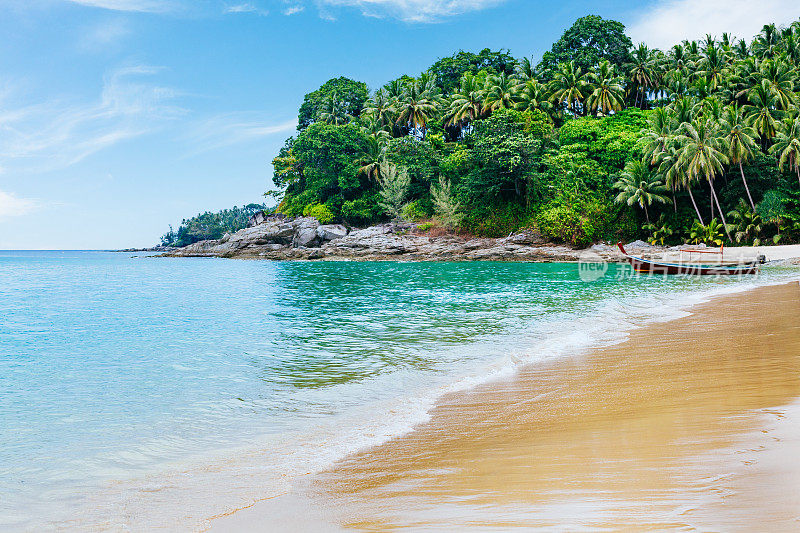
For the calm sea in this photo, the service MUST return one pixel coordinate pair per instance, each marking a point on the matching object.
(140, 392)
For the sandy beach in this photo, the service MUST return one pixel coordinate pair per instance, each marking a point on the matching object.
(689, 424)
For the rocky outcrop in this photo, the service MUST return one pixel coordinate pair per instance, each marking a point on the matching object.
(279, 237)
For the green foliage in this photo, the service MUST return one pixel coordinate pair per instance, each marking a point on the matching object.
(209, 225)
(578, 221)
(363, 210)
(417, 210)
(350, 93)
(491, 144)
(394, 188)
(710, 234)
(321, 212)
(449, 70)
(447, 207)
(589, 40)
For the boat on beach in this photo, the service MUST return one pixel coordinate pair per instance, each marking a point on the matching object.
(691, 267)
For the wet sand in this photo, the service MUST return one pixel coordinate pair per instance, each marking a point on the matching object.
(690, 424)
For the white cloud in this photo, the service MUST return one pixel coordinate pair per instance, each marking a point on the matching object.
(13, 206)
(293, 10)
(668, 22)
(56, 134)
(145, 6)
(233, 128)
(246, 7)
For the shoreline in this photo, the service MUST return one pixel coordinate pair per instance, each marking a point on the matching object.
(519, 446)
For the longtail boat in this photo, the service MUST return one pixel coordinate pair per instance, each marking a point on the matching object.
(721, 268)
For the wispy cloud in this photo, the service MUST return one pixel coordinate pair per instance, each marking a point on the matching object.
(406, 10)
(13, 206)
(668, 22)
(104, 35)
(144, 6)
(233, 128)
(293, 10)
(57, 134)
(247, 7)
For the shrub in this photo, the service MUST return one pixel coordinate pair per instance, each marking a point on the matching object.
(580, 223)
(321, 212)
(417, 210)
(363, 210)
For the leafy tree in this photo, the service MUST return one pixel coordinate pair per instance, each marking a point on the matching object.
(350, 94)
(449, 70)
(590, 40)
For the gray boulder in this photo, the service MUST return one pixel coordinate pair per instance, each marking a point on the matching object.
(331, 232)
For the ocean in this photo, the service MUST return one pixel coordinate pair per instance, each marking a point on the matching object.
(140, 392)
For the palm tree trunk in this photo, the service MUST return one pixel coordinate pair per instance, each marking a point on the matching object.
(721, 214)
(646, 214)
(712, 203)
(746, 188)
(696, 210)
(797, 169)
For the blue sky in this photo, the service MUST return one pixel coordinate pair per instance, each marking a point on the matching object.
(120, 117)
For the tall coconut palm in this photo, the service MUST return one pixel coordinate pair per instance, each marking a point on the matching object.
(740, 140)
(642, 73)
(416, 107)
(569, 86)
(380, 108)
(466, 105)
(532, 96)
(501, 92)
(608, 94)
(713, 65)
(781, 80)
(671, 166)
(763, 113)
(787, 145)
(702, 155)
(526, 70)
(659, 134)
(638, 185)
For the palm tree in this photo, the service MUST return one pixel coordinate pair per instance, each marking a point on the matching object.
(380, 108)
(642, 72)
(713, 66)
(371, 158)
(532, 96)
(638, 185)
(526, 70)
(740, 140)
(466, 105)
(701, 155)
(787, 145)
(335, 111)
(763, 113)
(501, 92)
(781, 80)
(569, 86)
(659, 134)
(416, 107)
(608, 94)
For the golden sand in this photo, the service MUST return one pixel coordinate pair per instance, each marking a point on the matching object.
(690, 424)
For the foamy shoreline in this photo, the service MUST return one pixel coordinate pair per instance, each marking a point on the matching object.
(342, 482)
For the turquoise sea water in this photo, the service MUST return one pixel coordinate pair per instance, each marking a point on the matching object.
(142, 392)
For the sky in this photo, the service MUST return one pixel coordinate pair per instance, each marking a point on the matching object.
(121, 117)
